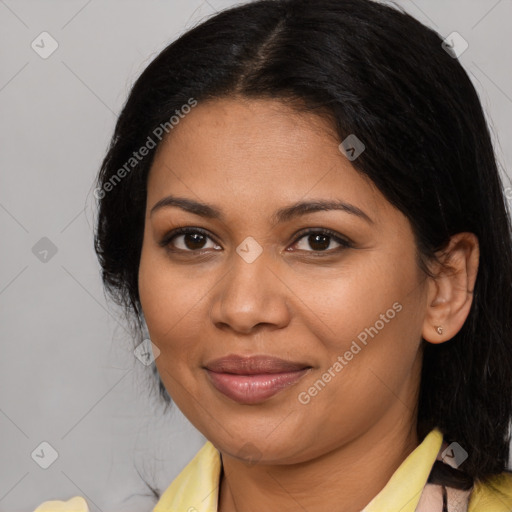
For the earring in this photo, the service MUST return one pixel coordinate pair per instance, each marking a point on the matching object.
(439, 329)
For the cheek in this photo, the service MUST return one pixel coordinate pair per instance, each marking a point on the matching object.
(174, 301)
(165, 302)
(367, 324)
(171, 305)
(371, 298)
(170, 295)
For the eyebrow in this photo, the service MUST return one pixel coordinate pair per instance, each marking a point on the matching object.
(282, 215)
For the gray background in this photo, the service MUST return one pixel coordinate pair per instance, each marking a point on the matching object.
(68, 374)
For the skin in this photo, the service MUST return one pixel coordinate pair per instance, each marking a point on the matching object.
(249, 158)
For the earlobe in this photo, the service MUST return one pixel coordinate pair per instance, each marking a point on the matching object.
(450, 293)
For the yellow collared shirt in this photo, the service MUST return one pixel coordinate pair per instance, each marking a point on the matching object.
(196, 488)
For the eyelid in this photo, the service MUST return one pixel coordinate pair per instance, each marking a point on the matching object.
(342, 240)
(166, 240)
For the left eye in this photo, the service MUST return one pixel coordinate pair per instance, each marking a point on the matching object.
(320, 241)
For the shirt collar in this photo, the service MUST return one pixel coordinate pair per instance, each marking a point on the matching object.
(196, 487)
(404, 488)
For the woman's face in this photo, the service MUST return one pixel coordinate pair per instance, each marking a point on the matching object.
(258, 275)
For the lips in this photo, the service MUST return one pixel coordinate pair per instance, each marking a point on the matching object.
(255, 379)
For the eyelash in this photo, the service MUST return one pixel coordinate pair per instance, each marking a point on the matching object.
(344, 243)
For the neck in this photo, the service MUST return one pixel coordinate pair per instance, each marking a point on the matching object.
(346, 478)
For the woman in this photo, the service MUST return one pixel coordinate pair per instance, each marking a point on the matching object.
(304, 210)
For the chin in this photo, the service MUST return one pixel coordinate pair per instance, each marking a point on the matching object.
(253, 447)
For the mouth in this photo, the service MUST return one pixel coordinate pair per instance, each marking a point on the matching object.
(253, 380)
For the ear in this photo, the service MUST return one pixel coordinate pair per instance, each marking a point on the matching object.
(450, 292)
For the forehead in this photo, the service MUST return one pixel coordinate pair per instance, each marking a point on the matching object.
(247, 152)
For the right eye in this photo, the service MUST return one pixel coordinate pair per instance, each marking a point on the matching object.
(187, 239)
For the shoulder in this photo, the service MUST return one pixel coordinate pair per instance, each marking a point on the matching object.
(492, 495)
(76, 504)
(198, 479)
(196, 487)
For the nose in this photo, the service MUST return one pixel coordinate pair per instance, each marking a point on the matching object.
(251, 296)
